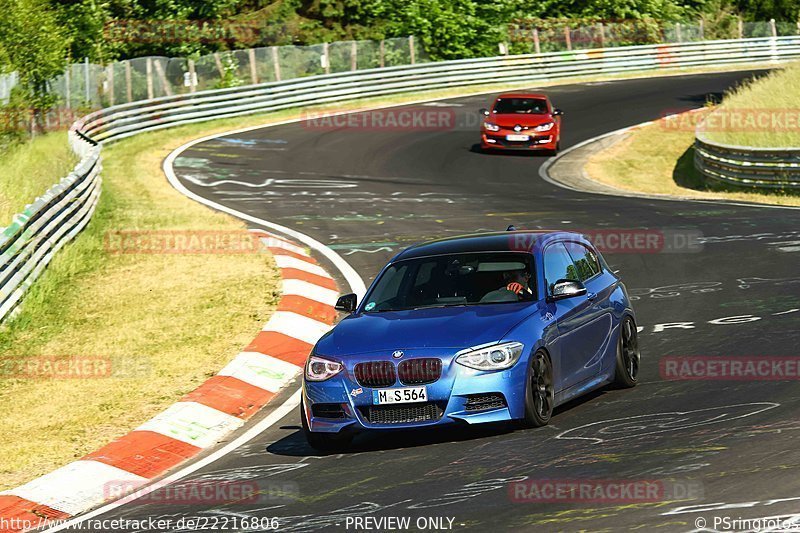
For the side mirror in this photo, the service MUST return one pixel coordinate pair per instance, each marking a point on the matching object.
(348, 303)
(484, 112)
(557, 112)
(565, 288)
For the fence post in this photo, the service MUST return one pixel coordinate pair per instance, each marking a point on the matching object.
(276, 63)
(326, 53)
(741, 27)
(149, 75)
(383, 52)
(702, 29)
(354, 55)
(251, 55)
(86, 92)
(163, 77)
(678, 32)
(536, 46)
(602, 31)
(567, 37)
(774, 43)
(192, 76)
(128, 81)
(110, 81)
(218, 62)
(67, 88)
(411, 49)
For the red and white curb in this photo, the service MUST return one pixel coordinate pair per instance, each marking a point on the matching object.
(203, 417)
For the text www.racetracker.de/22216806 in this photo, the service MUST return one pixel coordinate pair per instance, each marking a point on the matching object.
(199, 523)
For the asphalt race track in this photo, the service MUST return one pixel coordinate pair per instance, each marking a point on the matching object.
(719, 448)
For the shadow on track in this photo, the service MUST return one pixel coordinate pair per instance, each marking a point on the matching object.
(476, 149)
(295, 444)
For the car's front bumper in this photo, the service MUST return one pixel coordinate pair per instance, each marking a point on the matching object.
(498, 141)
(451, 399)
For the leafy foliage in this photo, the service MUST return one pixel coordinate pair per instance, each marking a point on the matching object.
(37, 37)
(35, 44)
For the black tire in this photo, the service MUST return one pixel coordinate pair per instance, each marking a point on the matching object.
(324, 442)
(539, 391)
(626, 374)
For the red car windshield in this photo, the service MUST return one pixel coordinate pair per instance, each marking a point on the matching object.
(525, 106)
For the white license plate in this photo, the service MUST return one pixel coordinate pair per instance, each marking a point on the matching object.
(512, 137)
(399, 395)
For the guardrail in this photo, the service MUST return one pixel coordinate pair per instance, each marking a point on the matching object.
(124, 120)
(28, 244)
(745, 166)
(35, 235)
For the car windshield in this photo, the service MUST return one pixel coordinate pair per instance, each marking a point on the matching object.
(525, 106)
(452, 280)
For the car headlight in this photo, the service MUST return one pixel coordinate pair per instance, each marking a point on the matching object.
(491, 127)
(496, 357)
(547, 126)
(319, 369)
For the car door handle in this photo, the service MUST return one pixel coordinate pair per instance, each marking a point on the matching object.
(591, 295)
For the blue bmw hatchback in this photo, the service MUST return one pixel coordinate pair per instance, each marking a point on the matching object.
(472, 329)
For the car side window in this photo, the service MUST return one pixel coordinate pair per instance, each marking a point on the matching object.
(388, 286)
(585, 260)
(424, 273)
(558, 265)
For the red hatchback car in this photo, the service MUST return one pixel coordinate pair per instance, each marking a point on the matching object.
(521, 121)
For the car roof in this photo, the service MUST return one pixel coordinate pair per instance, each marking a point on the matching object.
(521, 95)
(500, 241)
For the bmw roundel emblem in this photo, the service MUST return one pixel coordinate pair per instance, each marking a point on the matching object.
(397, 354)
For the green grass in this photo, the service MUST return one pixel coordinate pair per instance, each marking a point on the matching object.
(659, 159)
(774, 96)
(168, 320)
(29, 169)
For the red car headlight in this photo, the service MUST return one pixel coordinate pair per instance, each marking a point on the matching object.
(547, 126)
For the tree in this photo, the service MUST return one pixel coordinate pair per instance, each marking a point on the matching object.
(35, 45)
(757, 10)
